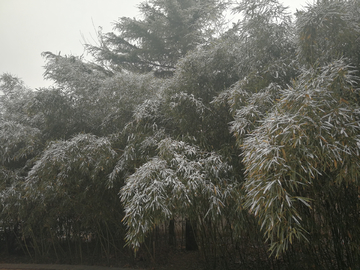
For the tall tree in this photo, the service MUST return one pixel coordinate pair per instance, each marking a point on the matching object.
(327, 31)
(302, 157)
(69, 186)
(89, 98)
(168, 31)
(14, 99)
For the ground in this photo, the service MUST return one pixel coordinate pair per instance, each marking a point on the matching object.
(177, 260)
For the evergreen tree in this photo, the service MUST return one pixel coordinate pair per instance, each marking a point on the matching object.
(168, 30)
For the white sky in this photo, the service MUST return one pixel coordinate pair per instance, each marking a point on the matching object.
(30, 27)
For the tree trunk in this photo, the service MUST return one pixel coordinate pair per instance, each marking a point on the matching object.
(190, 240)
(172, 236)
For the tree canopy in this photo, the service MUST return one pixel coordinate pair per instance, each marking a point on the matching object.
(167, 31)
(247, 136)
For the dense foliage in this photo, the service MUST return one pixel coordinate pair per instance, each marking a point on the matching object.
(243, 138)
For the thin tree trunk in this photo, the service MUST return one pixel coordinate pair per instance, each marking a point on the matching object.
(190, 240)
(172, 236)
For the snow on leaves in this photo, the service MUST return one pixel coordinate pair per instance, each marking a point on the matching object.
(173, 183)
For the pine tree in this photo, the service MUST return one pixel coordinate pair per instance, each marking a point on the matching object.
(168, 31)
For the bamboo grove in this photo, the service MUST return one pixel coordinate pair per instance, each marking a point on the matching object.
(249, 134)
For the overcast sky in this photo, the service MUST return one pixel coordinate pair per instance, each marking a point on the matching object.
(30, 27)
